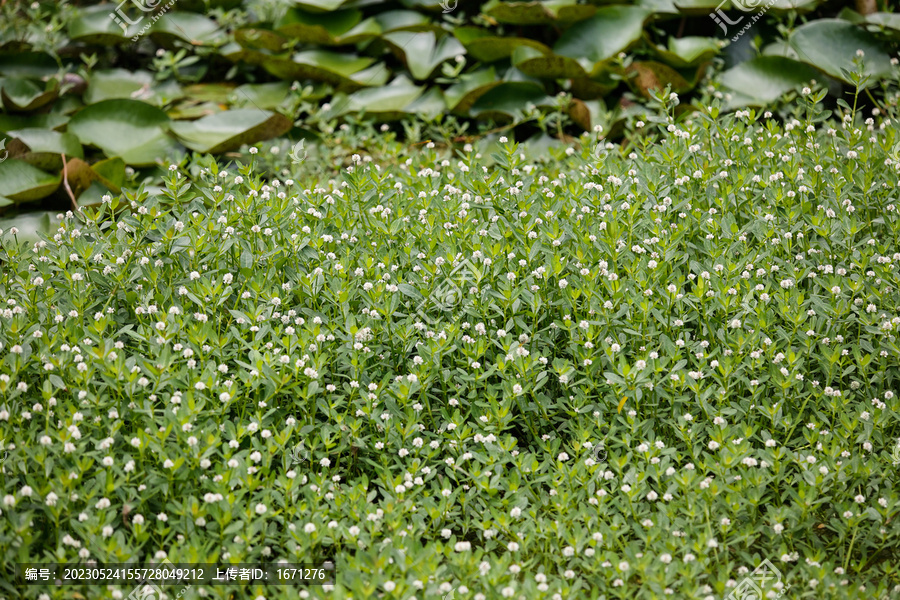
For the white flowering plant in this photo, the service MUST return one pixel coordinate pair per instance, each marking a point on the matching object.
(238, 370)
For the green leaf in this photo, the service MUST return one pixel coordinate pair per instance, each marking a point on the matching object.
(192, 28)
(510, 100)
(535, 63)
(395, 20)
(688, 51)
(339, 69)
(830, 46)
(469, 87)
(320, 5)
(885, 20)
(538, 13)
(764, 79)
(388, 102)
(26, 95)
(487, 47)
(423, 52)
(262, 39)
(230, 129)
(603, 36)
(649, 75)
(261, 95)
(21, 182)
(43, 148)
(32, 225)
(330, 29)
(112, 84)
(105, 26)
(32, 65)
(133, 130)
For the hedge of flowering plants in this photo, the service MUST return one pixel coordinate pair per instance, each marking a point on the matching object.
(632, 371)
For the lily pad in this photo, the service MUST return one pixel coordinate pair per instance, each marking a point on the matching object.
(133, 130)
(488, 47)
(510, 100)
(535, 63)
(423, 51)
(538, 12)
(688, 51)
(339, 69)
(603, 36)
(21, 182)
(106, 25)
(33, 65)
(261, 95)
(26, 95)
(328, 29)
(112, 84)
(764, 79)
(651, 75)
(44, 148)
(462, 95)
(403, 20)
(387, 102)
(830, 45)
(229, 130)
(263, 39)
(192, 28)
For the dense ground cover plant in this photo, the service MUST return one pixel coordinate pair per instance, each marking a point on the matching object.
(95, 95)
(634, 372)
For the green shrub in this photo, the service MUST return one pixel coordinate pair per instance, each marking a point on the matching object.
(629, 373)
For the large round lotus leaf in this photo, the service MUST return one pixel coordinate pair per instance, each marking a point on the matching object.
(386, 101)
(339, 69)
(688, 51)
(43, 148)
(487, 47)
(535, 63)
(603, 36)
(21, 182)
(27, 94)
(320, 5)
(469, 87)
(34, 65)
(394, 20)
(110, 84)
(649, 75)
(260, 95)
(509, 100)
(32, 226)
(538, 12)
(423, 51)
(108, 26)
(133, 130)
(261, 39)
(188, 27)
(889, 21)
(332, 28)
(764, 79)
(830, 45)
(230, 129)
